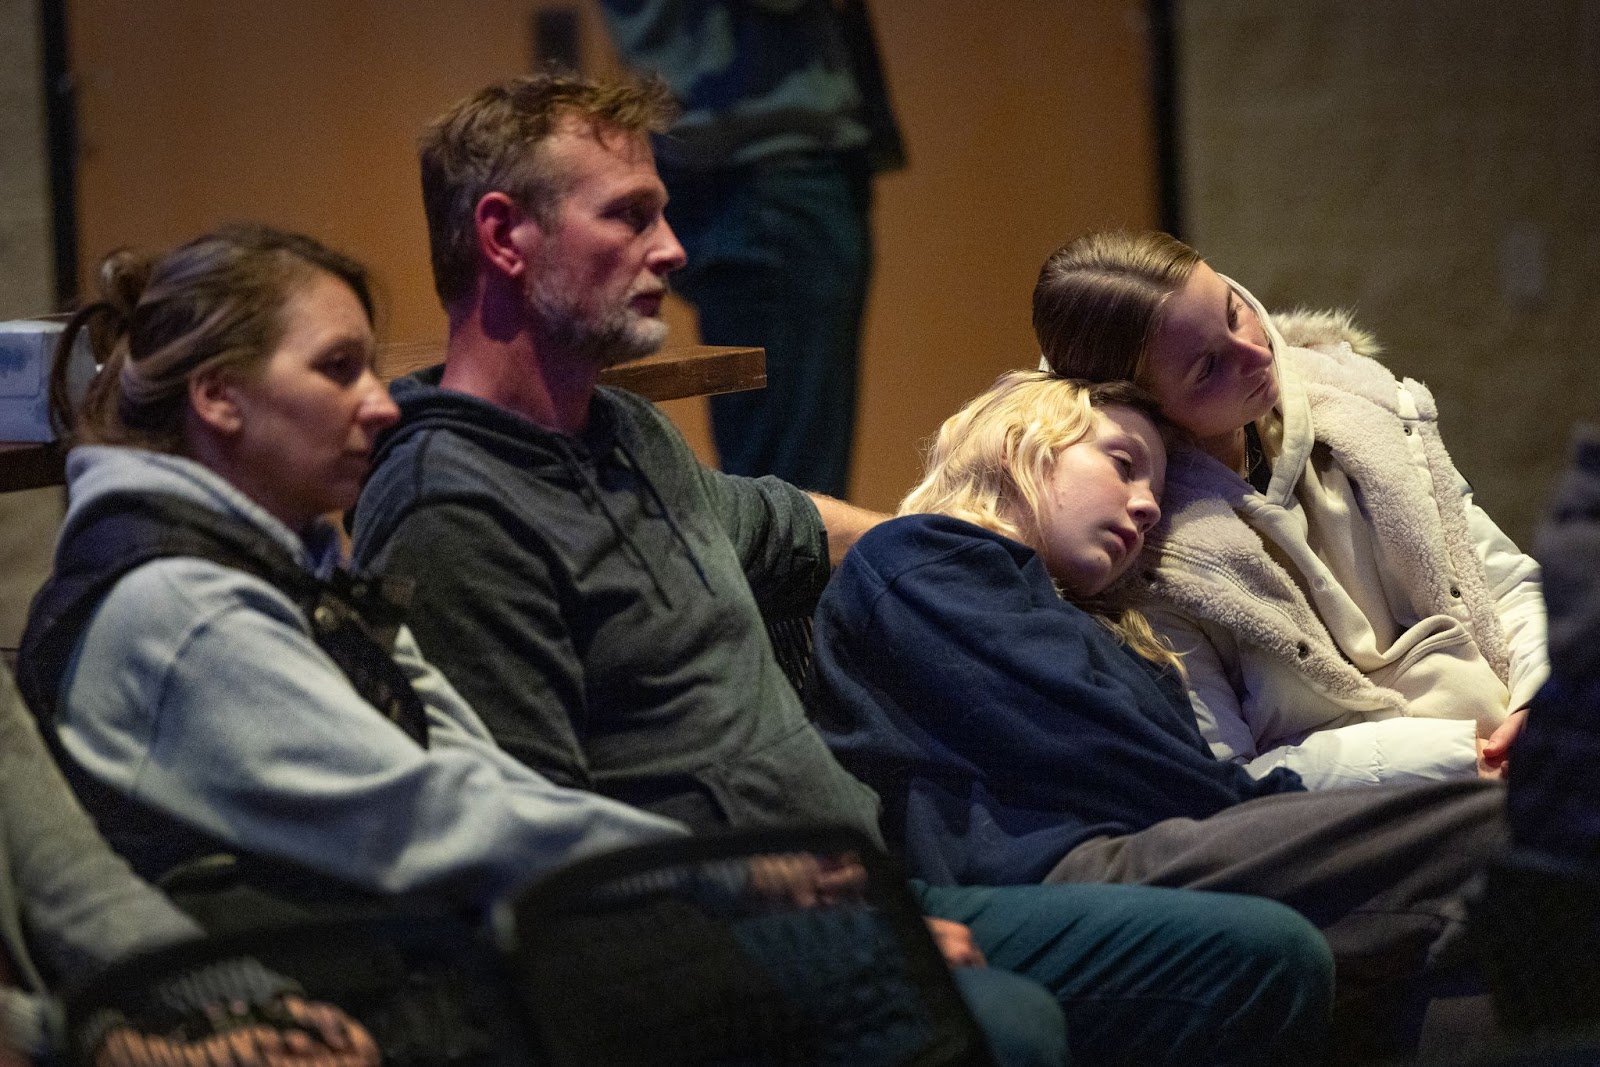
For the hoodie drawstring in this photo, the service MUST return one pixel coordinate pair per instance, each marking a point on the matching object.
(666, 513)
(582, 472)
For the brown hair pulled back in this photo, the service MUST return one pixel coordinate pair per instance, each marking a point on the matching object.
(1098, 301)
(215, 302)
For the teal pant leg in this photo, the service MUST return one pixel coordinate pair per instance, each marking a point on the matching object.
(1152, 976)
(1022, 1021)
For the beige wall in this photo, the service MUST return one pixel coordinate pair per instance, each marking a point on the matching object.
(27, 284)
(1434, 165)
(1026, 121)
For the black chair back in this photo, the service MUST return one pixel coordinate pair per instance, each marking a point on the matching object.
(723, 950)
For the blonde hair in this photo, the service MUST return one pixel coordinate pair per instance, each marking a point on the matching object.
(1099, 300)
(991, 461)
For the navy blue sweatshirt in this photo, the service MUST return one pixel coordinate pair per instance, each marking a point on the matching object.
(1000, 725)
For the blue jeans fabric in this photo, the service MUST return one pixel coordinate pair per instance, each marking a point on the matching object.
(1150, 976)
(780, 256)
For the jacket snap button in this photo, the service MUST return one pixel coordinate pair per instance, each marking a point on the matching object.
(1455, 591)
(1302, 650)
(1408, 431)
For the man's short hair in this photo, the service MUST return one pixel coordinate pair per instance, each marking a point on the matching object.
(490, 142)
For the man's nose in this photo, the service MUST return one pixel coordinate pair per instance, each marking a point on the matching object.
(668, 255)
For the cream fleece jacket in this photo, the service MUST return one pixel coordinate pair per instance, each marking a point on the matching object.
(1362, 620)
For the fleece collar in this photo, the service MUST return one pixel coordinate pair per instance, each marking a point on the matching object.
(1337, 394)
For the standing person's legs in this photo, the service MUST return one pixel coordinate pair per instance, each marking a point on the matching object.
(1382, 871)
(1152, 976)
(780, 256)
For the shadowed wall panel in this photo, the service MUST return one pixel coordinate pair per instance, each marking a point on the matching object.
(27, 520)
(1436, 167)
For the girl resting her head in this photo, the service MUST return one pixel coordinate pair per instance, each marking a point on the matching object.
(1341, 605)
(968, 666)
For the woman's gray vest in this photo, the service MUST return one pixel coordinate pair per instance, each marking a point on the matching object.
(353, 620)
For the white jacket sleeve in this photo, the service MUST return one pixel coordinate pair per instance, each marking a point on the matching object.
(1515, 583)
(1387, 751)
(198, 690)
(1361, 753)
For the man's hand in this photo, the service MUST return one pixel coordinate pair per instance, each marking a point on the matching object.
(336, 1030)
(955, 943)
(806, 880)
(1494, 751)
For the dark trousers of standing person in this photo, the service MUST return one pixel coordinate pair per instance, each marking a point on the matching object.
(780, 256)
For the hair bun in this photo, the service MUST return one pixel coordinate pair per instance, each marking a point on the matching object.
(124, 275)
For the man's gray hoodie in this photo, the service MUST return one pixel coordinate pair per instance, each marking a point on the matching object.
(599, 601)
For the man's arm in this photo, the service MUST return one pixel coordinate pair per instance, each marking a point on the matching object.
(845, 524)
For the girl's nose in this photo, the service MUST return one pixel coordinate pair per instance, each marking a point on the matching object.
(1253, 357)
(1144, 509)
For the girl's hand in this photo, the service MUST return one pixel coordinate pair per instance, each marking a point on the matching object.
(1494, 751)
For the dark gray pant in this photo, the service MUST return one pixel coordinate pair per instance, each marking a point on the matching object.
(1383, 871)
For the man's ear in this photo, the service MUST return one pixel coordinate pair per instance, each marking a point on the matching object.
(214, 399)
(502, 226)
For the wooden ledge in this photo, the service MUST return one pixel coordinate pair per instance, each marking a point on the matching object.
(700, 370)
(30, 466)
(669, 375)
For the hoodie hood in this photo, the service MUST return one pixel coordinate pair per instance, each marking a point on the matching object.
(1288, 432)
(449, 433)
(425, 406)
(98, 471)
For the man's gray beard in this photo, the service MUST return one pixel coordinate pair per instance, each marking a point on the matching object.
(618, 336)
